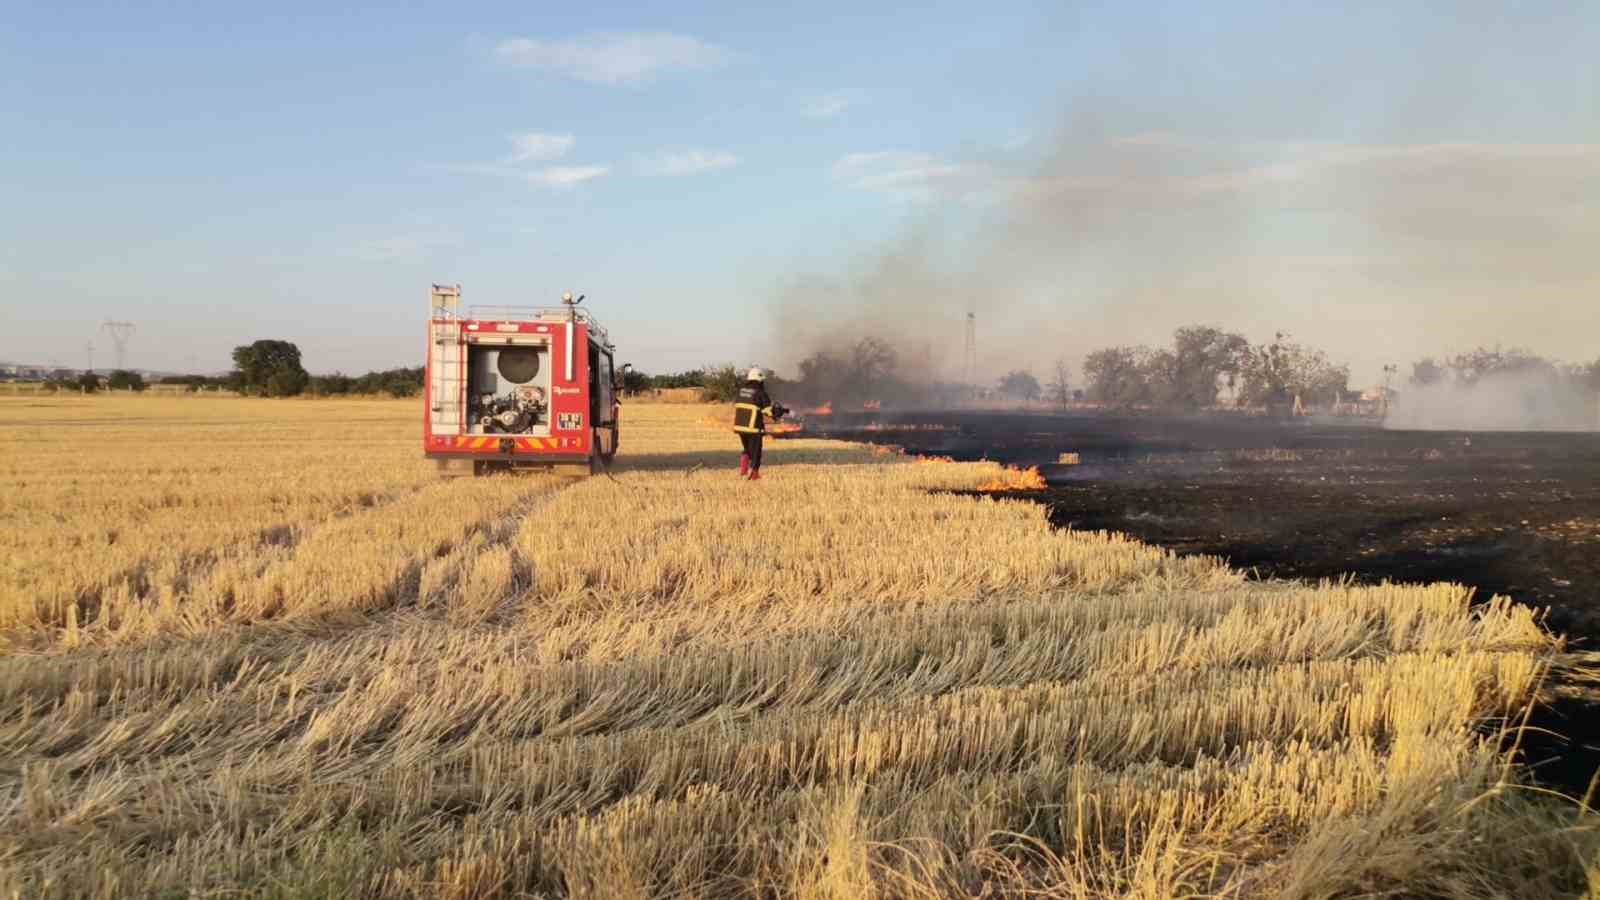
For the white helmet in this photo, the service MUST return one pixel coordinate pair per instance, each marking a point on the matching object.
(755, 375)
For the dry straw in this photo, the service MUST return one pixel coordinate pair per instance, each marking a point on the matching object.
(254, 648)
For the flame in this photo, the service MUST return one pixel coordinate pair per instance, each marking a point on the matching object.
(1011, 479)
(826, 409)
(783, 428)
(872, 404)
(934, 459)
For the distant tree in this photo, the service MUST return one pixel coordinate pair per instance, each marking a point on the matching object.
(190, 380)
(865, 370)
(1282, 370)
(822, 375)
(720, 384)
(692, 378)
(124, 380)
(270, 368)
(1203, 360)
(1020, 384)
(335, 385)
(283, 384)
(1425, 372)
(1059, 389)
(403, 382)
(1269, 374)
(872, 361)
(1160, 384)
(1113, 376)
(1476, 364)
(88, 382)
(1589, 376)
(634, 381)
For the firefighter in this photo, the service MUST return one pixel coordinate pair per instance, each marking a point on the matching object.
(750, 412)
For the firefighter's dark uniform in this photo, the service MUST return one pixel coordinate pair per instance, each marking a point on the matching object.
(750, 411)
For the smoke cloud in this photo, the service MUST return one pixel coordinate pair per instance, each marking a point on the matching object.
(1376, 225)
(1500, 401)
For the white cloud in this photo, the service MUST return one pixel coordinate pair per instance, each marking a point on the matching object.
(537, 147)
(829, 106)
(564, 176)
(909, 173)
(613, 57)
(689, 162)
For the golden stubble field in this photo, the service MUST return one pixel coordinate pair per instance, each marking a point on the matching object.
(257, 648)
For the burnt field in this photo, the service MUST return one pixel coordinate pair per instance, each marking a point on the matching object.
(1507, 513)
(1515, 514)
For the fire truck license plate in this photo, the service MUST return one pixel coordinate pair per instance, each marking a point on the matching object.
(569, 421)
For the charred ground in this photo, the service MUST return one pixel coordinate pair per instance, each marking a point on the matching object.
(1514, 514)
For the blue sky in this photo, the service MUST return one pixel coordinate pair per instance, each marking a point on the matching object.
(741, 182)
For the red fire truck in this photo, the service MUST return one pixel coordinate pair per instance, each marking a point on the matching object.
(517, 387)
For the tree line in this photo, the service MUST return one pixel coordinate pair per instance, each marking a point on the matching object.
(1205, 366)
(266, 368)
(272, 368)
(1470, 368)
(1201, 365)
(89, 382)
(637, 382)
(869, 369)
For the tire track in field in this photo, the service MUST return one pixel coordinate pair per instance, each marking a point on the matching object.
(478, 580)
(376, 561)
(362, 557)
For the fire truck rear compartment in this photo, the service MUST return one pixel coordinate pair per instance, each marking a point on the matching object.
(508, 388)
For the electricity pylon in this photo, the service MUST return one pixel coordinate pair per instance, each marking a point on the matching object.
(120, 332)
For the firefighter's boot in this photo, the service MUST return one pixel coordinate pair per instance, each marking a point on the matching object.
(755, 474)
(744, 464)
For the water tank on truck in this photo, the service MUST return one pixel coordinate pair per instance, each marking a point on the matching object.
(517, 387)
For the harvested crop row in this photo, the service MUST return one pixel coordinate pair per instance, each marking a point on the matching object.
(845, 680)
(106, 502)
